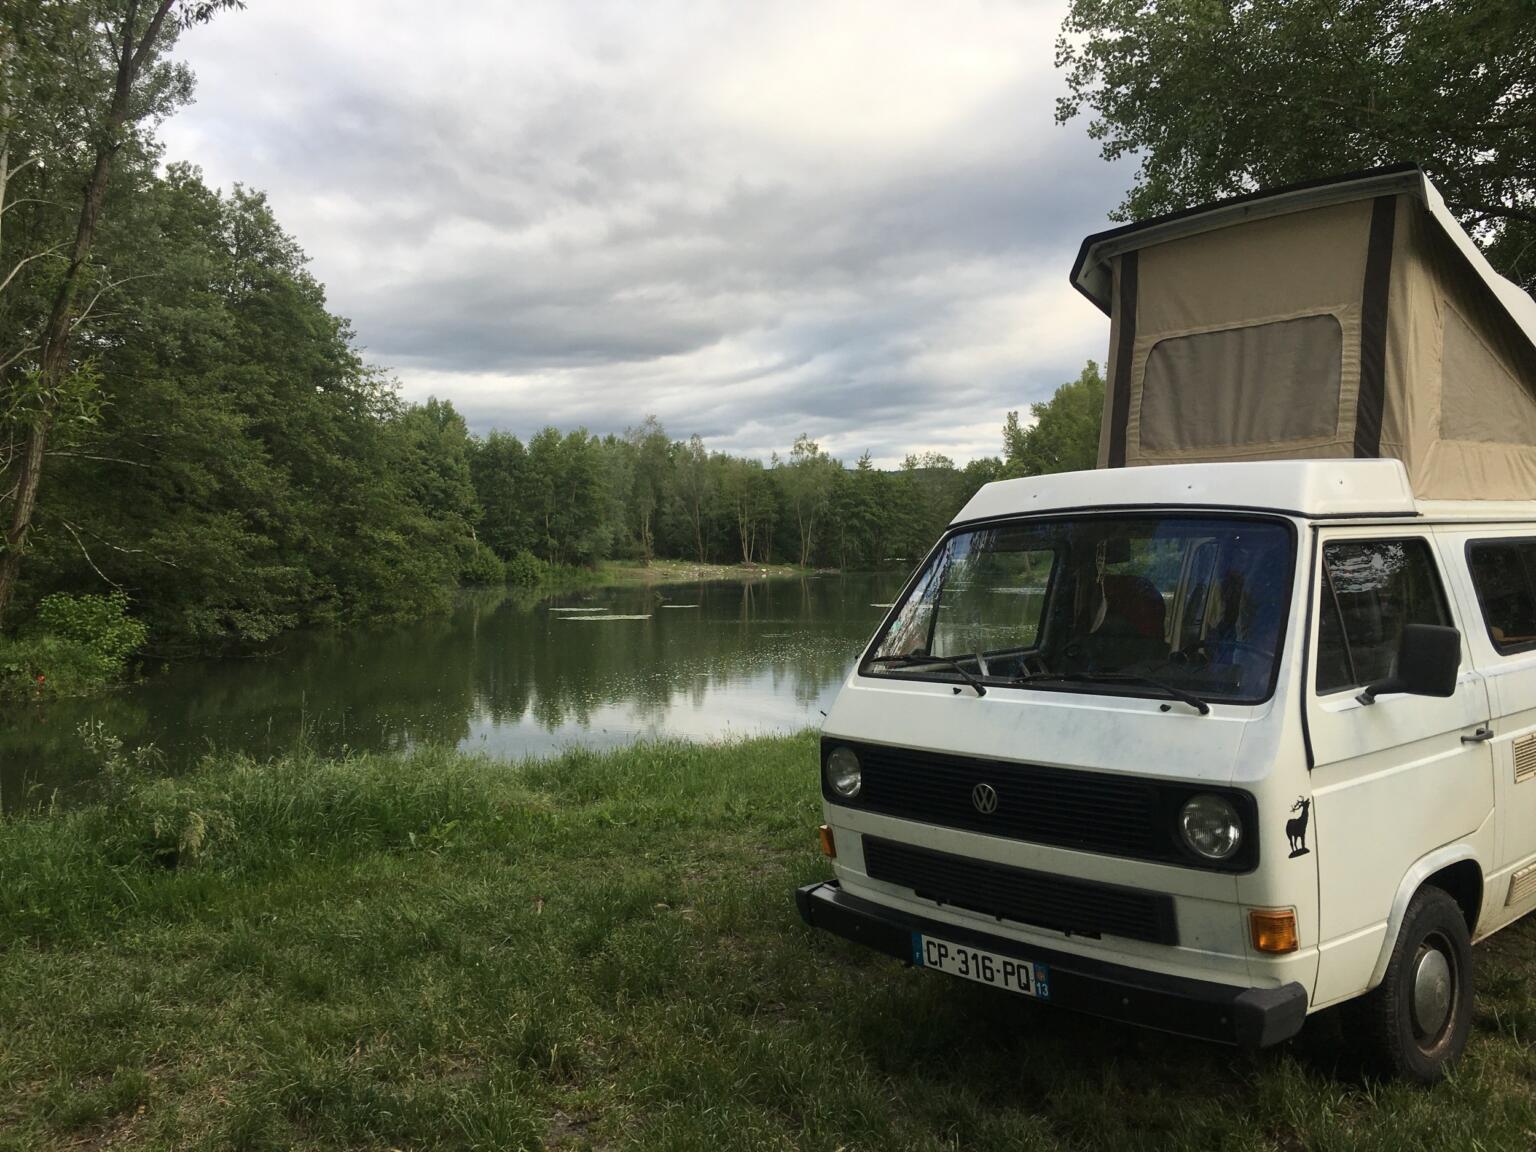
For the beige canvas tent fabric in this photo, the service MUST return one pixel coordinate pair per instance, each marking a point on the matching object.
(1467, 376)
(1335, 326)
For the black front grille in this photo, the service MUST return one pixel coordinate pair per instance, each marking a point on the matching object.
(1098, 812)
(1038, 898)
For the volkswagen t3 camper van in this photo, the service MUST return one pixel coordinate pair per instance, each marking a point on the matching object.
(1242, 724)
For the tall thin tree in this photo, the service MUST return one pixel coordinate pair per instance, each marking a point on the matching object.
(132, 36)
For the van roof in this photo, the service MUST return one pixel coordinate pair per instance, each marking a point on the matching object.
(1314, 488)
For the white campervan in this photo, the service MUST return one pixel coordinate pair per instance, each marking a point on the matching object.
(1241, 725)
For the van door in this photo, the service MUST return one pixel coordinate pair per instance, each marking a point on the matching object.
(1498, 592)
(1393, 780)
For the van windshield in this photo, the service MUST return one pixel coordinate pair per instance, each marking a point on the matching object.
(1154, 604)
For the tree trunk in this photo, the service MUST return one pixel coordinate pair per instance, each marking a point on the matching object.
(21, 517)
(7, 50)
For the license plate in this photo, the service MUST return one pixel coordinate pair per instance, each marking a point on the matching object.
(1008, 972)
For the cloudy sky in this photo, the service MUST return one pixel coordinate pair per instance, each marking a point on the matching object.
(750, 220)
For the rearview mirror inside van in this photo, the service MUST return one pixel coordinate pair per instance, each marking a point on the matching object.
(1428, 658)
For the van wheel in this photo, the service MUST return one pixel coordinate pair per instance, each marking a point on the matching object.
(1415, 1023)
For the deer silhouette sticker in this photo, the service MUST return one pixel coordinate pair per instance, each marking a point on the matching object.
(1296, 827)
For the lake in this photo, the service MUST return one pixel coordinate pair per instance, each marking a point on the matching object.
(507, 672)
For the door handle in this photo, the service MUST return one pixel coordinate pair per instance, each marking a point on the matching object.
(1483, 733)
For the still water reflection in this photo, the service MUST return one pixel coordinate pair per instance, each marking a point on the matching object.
(506, 672)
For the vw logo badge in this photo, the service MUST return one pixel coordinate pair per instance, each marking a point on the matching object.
(984, 797)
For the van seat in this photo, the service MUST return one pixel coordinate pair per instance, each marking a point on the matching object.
(1136, 600)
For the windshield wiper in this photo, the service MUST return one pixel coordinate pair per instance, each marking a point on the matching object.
(946, 661)
(1117, 678)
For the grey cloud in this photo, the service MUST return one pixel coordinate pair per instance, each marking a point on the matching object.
(563, 251)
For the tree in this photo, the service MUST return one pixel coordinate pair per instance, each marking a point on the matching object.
(695, 483)
(861, 510)
(568, 493)
(438, 442)
(433, 451)
(169, 493)
(749, 495)
(1065, 433)
(649, 450)
(498, 470)
(884, 521)
(82, 78)
(807, 481)
(1222, 98)
(984, 470)
(246, 471)
(933, 491)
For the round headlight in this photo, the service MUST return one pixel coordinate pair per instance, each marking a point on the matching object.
(843, 773)
(1210, 826)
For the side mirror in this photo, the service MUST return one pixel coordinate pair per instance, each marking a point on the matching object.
(1428, 657)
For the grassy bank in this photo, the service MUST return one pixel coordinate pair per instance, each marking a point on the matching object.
(591, 952)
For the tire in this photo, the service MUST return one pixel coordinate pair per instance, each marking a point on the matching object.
(1420, 1041)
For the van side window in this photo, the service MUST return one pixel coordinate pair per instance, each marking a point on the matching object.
(1370, 589)
(1502, 573)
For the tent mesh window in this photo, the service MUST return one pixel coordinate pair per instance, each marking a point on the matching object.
(1256, 385)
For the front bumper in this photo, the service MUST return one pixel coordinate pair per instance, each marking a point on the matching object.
(1250, 1017)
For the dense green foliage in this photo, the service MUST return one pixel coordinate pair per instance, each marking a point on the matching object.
(598, 951)
(181, 419)
(1065, 434)
(483, 567)
(82, 85)
(576, 498)
(1220, 98)
(75, 644)
(246, 471)
(525, 570)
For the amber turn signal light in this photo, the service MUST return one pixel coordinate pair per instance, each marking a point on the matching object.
(1273, 929)
(828, 845)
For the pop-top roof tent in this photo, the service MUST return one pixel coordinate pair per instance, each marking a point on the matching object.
(1349, 318)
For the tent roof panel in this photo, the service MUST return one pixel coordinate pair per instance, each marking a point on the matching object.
(1091, 271)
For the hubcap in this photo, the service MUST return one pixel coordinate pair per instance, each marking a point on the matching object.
(1432, 992)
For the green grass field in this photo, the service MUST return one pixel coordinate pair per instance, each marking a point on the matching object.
(440, 951)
